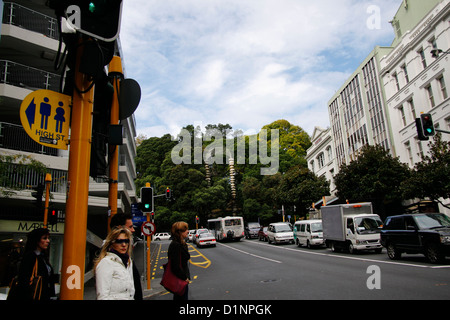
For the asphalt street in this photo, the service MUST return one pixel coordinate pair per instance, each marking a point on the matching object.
(254, 270)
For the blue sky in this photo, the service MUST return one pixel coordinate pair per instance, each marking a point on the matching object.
(245, 62)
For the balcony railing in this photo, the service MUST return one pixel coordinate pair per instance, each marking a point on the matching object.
(16, 138)
(23, 177)
(28, 19)
(26, 77)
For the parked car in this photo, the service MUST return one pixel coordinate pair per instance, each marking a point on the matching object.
(308, 232)
(251, 230)
(161, 236)
(206, 239)
(426, 233)
(262, 234)
(280, 232)
(197, 233)
(190, 235)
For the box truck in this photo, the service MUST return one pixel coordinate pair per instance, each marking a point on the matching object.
(351, 227)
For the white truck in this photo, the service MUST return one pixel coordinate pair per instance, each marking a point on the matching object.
(351, 227)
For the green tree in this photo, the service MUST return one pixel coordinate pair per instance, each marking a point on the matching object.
(430, 178)
(375, 176)
(300, 187)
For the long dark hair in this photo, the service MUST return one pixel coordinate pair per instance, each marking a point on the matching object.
(33, 239)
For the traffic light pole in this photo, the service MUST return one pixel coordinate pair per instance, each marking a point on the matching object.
(48, 181)
(73, 261)
(115, 70)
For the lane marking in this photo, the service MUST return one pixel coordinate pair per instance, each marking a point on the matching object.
(250, 254)
(352, 258)
(202, 264)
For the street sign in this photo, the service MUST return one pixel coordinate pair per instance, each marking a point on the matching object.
(45, 116)
(148, 228)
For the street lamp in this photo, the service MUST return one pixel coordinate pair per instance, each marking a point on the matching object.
(436, 52)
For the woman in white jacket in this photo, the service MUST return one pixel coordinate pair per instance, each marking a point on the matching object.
(113, 268)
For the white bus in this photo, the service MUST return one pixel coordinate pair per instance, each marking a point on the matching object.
(228, 228)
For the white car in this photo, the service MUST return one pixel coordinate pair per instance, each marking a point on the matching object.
(206, 239)
(161, 236)
(190, 235)
(280, 232)
(197, 233)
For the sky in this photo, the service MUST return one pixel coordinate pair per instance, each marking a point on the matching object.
(245, 63)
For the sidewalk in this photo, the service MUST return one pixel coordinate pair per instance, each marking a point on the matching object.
(156, 288)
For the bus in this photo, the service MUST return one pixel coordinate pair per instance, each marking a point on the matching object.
(228, 228)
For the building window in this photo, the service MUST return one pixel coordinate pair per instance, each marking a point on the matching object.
(422, 58)
(412, 108)
(402, 115)
(409, 153)
(330, 153)
(397, 85)
(443, 88)
(405, 73)
(430, 95)
(419, 149)
(321, 160)
(311, 164)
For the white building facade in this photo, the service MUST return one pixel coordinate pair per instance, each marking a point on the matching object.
(380, 101)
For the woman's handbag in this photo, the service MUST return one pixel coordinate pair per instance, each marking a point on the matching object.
(171, 282)
(35, 283)
(34, 290)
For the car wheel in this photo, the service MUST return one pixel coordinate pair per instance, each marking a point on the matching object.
(393, 253)
(351, 248)
(433, 253)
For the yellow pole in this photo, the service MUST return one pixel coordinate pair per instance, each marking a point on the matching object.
(149, 241)
(115, 70)
(73, 261)
(48, 181)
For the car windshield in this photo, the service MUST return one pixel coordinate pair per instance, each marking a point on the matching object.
(365, 225)
(206, 235)
(253, 225)
(430, 221)
(316, 227)
(282, 228)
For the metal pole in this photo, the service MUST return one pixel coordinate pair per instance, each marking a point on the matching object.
(48, 181)
(74, 249)
(115, 70)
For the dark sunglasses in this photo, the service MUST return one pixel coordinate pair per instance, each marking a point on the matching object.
(120, 241)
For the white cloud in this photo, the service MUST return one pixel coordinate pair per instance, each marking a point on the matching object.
(244, 62)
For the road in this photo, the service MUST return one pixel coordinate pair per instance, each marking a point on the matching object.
(254, 270)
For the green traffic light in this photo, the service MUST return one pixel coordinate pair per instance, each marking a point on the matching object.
(147, 206)
(92, 7)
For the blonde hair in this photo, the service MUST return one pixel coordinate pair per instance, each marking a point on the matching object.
(113, 235)
(178, 228)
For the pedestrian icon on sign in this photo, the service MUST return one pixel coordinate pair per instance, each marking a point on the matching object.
(45, 110)
(60, 117)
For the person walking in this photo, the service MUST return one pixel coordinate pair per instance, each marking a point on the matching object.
(126, 220)
(114, 267)
(179, 256)
(36, 254)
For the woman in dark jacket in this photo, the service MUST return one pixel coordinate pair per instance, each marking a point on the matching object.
(36, 249)
(179, 256)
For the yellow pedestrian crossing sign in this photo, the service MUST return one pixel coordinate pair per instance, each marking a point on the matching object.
(45, 116)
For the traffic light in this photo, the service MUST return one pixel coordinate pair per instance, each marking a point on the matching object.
(103, 96)
(419, 129)
(168, 193)
(99, 19)
(427, 124)
(38, 194)
(147, 199)
(52, 216)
